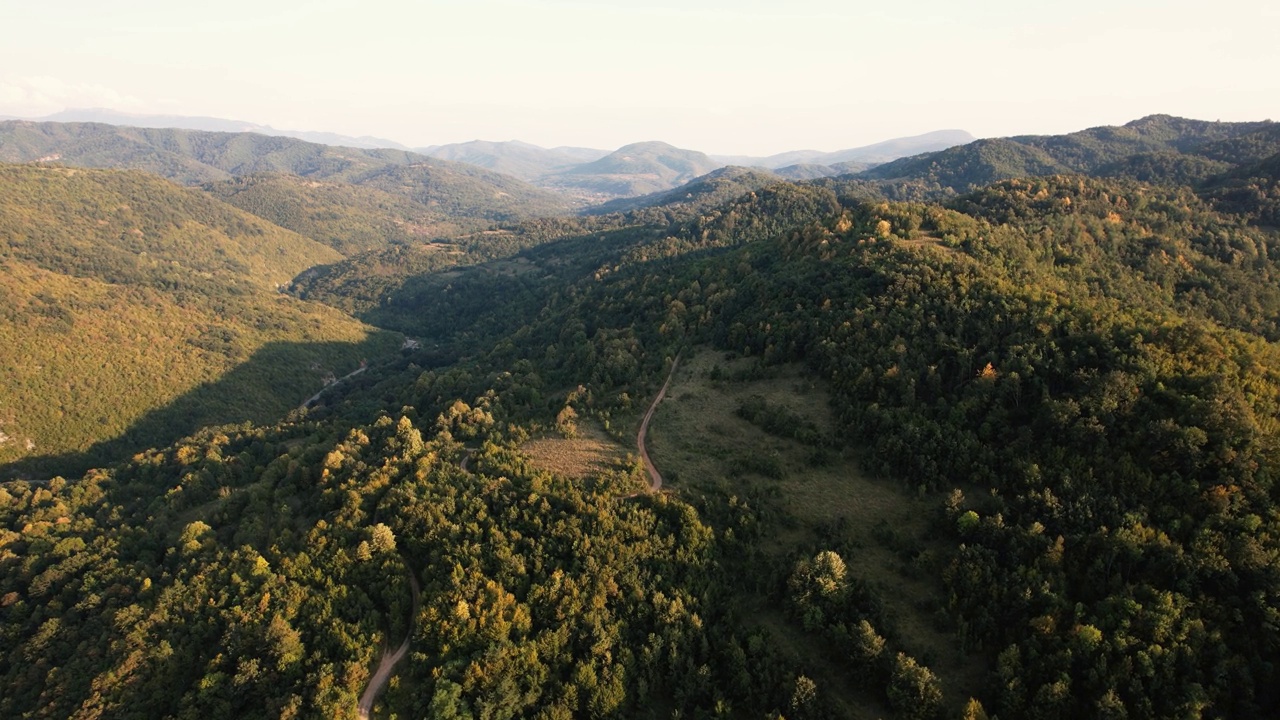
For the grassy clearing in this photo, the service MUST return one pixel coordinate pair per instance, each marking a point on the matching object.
(590, 453)
(699, 443)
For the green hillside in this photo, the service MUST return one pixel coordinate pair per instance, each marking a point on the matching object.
(348, 218)
(461, 190)
(1250, 190)
(365, 282)
(1104, 150)
(124, 293)
(635, 169)
(978, 163)
(132, 227)
(1166, 167)
(1245, 148)
(1034, 333)
(194, 157)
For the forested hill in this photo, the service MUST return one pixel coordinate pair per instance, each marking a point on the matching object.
(635, 169)
(1013, 455)
(348, 218)
(1093, 362)
(192, 157)
(123, 293)
(1164, 140)
(1251, 190)
(122, 225)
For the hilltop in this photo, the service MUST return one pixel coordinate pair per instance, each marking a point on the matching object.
(714, 188)
(634, 169)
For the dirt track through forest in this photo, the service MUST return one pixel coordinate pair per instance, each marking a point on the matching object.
(655, 478)
(390, 659)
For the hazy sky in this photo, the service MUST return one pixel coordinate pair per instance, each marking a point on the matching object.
(722, 76)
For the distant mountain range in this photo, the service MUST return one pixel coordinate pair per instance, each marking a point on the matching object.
(449, 188)
(196, 157)
(585, 174)
(1235, 165)
(649, 167)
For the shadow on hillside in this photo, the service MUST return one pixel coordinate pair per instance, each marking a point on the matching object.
(275, 380)
(460, 305)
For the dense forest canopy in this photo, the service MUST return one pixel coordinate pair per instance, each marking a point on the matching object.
(1182, 150)
(996, 435)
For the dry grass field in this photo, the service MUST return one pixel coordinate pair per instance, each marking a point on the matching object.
(591, 452)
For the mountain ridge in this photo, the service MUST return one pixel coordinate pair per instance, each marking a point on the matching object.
(634, 169)
(108, 116)
(486, 153)
(195, 157)
(966, 167)
(571, 171)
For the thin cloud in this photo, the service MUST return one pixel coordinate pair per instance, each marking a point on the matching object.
(43, 95)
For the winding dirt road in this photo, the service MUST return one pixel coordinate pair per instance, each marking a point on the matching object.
(655, 478)
(390, 659)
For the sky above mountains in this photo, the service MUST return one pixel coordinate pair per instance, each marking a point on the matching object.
(745, 77)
